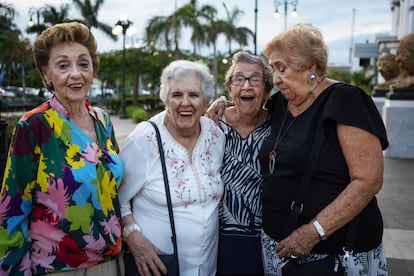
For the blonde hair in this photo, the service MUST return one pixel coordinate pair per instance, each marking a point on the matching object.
(302, 45)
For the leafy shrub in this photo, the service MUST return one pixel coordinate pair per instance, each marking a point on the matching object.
(139, 114)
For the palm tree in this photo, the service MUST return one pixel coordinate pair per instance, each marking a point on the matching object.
(213, 28)
(158, 32)
(13, 49)
(55, 16)
(232, 32)
(7, 13)
(89, 12)
(166, 30)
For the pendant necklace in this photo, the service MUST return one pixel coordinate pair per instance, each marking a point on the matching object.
(280, 135)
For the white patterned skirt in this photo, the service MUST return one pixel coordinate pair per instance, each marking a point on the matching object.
(373, 262)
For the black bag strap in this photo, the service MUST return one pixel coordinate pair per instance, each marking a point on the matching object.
(297, 205)
(167, 187)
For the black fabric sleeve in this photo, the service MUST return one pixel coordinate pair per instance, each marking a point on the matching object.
(350, 105)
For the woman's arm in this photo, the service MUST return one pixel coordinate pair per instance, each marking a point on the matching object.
(16, 202)
(217, 108)
(144, 252)
(363, 154)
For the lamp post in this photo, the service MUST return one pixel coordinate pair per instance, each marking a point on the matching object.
(277, 3)
(255, 27)
(36, 11)
(123, 25)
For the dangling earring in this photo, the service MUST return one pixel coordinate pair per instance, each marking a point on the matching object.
(264, 106)
(311, 77)
(49, 86)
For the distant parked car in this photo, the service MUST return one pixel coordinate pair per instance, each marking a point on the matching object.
(18, 91)
(96, 91)
(16, 98)
(6, 94)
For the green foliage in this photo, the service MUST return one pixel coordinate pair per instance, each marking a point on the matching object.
(363, 81)
(114, 104)
(359, 79)
(11, 122)
(151, 102)
(139, 114)
(340, 75)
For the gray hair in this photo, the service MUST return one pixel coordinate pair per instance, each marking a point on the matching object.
(179, 68)
(244, 57)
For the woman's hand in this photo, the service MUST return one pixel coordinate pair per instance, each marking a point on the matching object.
(217, 108)
(145, 255)
(299, 243)
(363, 154)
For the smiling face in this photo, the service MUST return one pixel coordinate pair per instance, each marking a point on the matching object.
(70, 70)
(248, 99)
(185, 104)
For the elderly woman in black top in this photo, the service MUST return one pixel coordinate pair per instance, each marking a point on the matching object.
(348, 170)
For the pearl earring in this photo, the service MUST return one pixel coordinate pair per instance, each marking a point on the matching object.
(311, 77)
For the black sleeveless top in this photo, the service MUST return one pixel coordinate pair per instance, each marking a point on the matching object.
(339, 103)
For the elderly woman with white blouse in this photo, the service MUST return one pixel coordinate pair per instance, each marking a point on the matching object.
(194, 148)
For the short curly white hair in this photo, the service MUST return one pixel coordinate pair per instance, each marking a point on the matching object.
(179, 68)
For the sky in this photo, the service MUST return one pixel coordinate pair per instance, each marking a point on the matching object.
(342, 22)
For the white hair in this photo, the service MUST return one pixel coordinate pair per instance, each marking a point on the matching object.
(179, 68)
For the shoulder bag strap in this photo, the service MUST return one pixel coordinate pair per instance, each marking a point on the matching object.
(297, 205)
(167, 187)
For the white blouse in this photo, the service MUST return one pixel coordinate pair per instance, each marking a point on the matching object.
(196, 189)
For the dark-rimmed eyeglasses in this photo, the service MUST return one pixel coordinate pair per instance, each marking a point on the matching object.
(253, 80)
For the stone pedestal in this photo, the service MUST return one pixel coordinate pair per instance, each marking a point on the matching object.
(398, 116)
(378, 96)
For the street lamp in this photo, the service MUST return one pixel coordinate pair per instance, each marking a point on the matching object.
(36, 11)
(277, 3)
(255, 27)
(123, 25)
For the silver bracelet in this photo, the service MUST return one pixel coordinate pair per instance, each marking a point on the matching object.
(320, 229)
(128, 229)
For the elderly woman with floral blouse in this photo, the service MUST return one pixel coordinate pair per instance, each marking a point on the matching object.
(59, 209)
(194, 148)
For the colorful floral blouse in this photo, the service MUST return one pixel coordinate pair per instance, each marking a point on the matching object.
(59, 207)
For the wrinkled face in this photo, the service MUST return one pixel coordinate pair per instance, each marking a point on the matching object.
(185, 103)
(247, 88)
(70, 70)
(291, 83)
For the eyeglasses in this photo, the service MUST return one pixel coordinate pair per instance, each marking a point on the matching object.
(253, 80)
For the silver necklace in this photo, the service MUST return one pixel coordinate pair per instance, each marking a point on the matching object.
(280, 136)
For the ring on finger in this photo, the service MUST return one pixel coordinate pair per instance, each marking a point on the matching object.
(290, 255)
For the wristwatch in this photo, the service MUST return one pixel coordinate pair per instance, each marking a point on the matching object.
(320, 229)
(128, 229)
